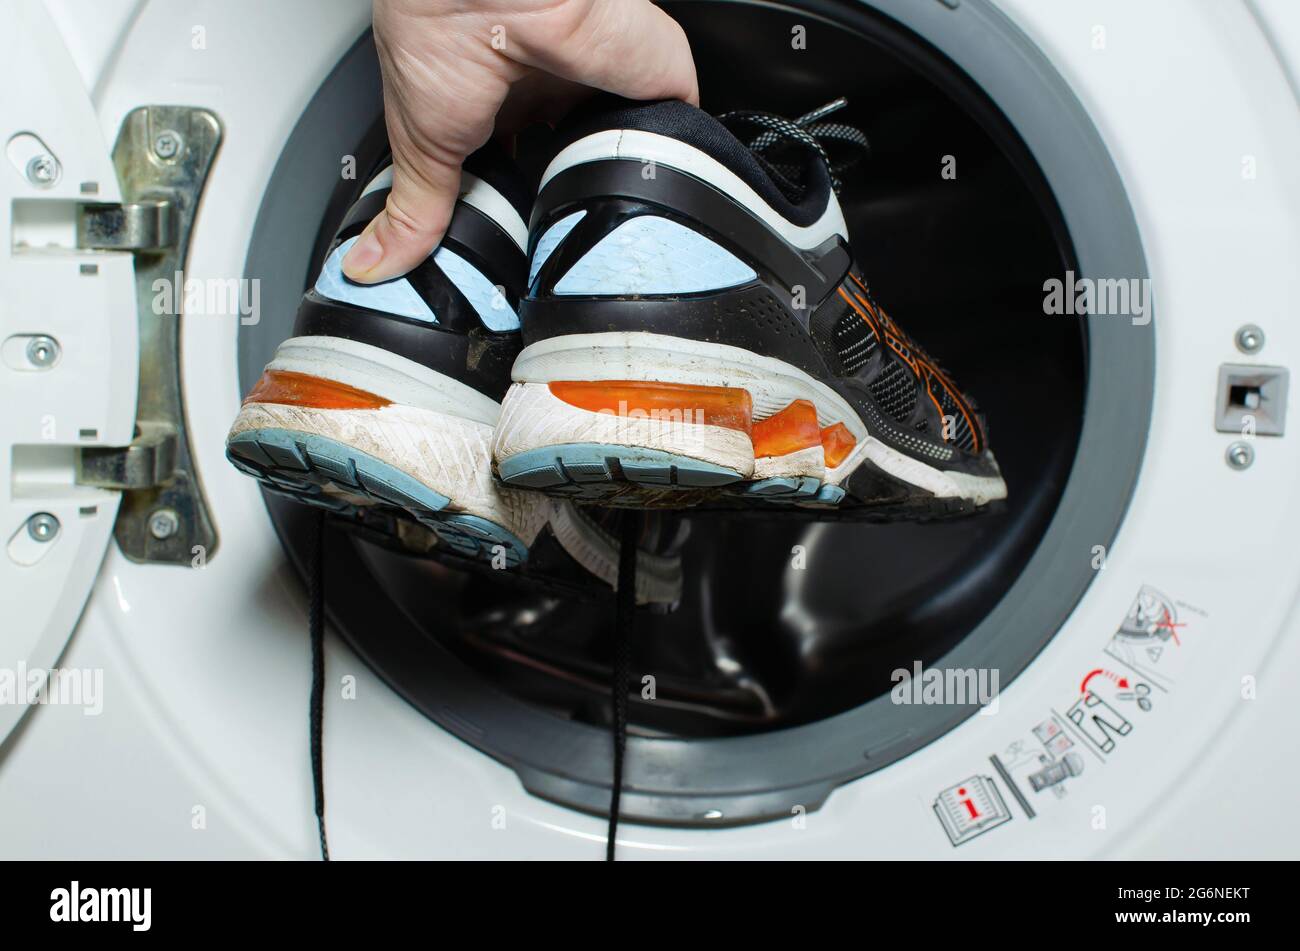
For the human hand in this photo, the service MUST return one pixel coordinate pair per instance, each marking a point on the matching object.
(448, 68)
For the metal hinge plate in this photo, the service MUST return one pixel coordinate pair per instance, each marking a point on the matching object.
(162, 156)
(138, 226)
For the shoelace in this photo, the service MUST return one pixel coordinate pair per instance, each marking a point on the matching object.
(316, 629)
(624, 623)
(808, 132)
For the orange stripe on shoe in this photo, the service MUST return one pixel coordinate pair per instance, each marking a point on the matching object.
(790, 430)
(837, 443)
(959, 398)
(916, 363)
(723, 406)
(302, 389)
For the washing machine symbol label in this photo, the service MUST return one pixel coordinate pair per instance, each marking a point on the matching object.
(971, 808)
(1140, 694)
(1041, 767)
(1042, 763)
(1099, 723)
(1149, 640)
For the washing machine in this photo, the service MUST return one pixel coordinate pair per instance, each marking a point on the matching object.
(1089, 210)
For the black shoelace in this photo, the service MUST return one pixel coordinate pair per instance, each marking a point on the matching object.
(809, 133)
(624, 623)
(316, 628)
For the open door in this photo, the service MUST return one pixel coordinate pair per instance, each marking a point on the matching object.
(92, 433)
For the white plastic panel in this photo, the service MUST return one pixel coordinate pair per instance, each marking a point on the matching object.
(86, 303)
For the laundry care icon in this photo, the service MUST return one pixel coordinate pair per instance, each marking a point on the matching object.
(1098, 722)
(1148, 641)
(1140, 694)
(971, 808)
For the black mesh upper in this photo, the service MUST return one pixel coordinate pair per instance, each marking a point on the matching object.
(894, 389)
(956, 429)
(862, 344)
(854, 341)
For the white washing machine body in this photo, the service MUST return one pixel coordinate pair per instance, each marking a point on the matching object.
(199, 746)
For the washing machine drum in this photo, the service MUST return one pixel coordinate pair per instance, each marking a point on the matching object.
(770, 683)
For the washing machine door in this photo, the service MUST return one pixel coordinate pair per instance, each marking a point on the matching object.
(89, 445)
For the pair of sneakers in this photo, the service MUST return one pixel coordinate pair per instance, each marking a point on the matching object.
(680, 323)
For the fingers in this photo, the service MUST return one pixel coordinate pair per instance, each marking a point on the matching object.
(447, 69)
(410, 226)
(439, 107)
(627, 47)
(539, 97)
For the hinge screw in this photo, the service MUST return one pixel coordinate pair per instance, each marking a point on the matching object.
(1240, 455)
(167, 144)
(1250, 339)
(43, 170)
(43, 527)
(163, 524)
(42, 351)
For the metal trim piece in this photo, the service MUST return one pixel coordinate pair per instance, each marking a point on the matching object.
(160, 194)
(147, 463)
(138, 226)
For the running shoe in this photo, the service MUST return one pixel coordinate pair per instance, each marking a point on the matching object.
(386, 395)
(696, 327)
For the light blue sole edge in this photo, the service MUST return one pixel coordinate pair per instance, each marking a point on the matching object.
(299, 465)
(596, 471)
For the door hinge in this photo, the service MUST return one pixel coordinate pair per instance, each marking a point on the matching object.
(148, 463)
(135, 226)
(162, 156)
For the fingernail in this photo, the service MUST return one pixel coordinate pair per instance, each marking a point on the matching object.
(364, 256)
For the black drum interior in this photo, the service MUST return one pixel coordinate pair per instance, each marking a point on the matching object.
(959, 259)
(759, 646)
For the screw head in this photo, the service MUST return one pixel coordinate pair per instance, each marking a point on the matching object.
(43, 351)
(1240, 455)
(43, 170)
(43, 527)
(164, 523)
(1250, 339)
(167, 144)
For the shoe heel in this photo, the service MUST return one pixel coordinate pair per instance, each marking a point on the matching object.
(339, 446)
(599, 439)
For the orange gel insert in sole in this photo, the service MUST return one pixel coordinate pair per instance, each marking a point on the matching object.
(837, 443)
(300, 389)
(726, 407)
(790, 430)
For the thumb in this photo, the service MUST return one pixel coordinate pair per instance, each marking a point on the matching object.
(412, 223)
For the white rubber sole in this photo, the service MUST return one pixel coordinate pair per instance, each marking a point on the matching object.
(428, 450)
(446, 454)
(385, 374)
(533, 419)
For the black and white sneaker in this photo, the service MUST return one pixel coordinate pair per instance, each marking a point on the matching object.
(695, 326)
(387, 394)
